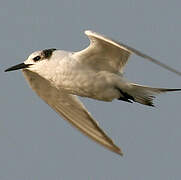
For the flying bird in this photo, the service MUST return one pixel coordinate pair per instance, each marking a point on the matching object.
(96, 72)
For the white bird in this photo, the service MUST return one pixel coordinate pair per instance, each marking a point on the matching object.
(58, 77)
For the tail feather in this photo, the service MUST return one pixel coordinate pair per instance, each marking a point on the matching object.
(145, 94)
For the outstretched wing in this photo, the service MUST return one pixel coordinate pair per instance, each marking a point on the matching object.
(71, 109)
(106, 54)
(103, 53)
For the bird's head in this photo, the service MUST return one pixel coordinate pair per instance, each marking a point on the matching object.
(35, 61)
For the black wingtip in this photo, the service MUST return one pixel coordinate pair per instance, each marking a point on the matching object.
(172, 90)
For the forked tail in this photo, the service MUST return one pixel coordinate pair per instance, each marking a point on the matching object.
(143, 94)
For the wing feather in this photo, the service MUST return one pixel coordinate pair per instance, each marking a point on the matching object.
(106, 54)
(71, 109)
(103, 53)
(75, 113)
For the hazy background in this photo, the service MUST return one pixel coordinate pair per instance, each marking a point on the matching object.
(36, 144)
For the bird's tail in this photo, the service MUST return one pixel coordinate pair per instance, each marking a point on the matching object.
(145, 94)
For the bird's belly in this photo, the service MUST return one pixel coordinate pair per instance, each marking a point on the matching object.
(100, 85)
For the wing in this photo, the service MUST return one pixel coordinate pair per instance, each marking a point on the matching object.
(71, 109)
(106, 54)
(103, 53)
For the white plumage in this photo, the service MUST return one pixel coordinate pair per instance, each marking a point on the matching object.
(95, 72)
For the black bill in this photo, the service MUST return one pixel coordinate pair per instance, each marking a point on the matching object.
(18, 66)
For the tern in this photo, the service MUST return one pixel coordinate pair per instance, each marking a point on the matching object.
(96, 72)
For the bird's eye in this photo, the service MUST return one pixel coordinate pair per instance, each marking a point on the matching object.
(37, 58)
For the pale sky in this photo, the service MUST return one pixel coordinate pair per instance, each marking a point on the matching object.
(37, 144)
